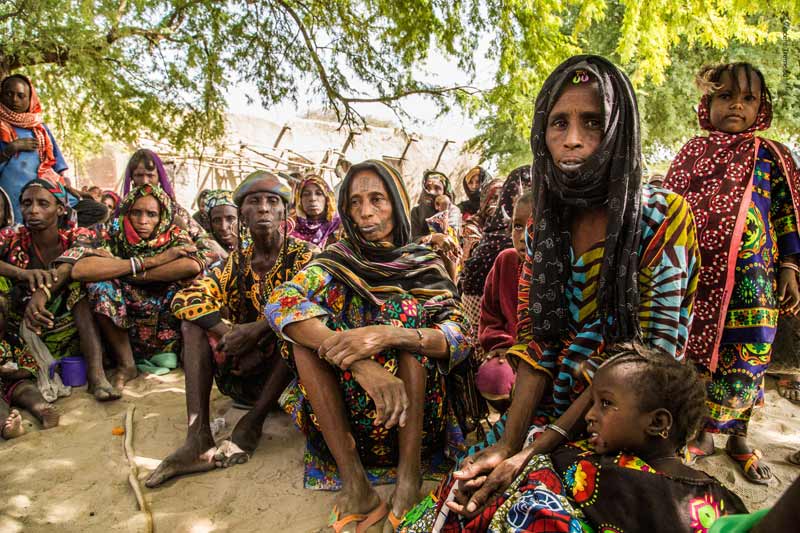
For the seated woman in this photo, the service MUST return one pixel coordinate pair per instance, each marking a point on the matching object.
(111, 200)
(376, 324)
(498, 319)
(607, 260)
(145, 167)
(42, 293)
(28, 149)
(223, 216)
(471, 182)
(145, 260)
(315, 220)
(626, 477)
(226, 336)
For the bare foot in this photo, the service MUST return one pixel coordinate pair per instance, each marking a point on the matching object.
(47, 415)
(701, 446)
(196, 455)
(243, 442)
(102, 390)
(406, 495)
(13, 428)
(754, 470)
(124, 375)
(358, 500)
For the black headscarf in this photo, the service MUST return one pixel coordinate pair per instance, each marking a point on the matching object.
(424, 208)
(376, 270)
(611, 177)
(496, 235)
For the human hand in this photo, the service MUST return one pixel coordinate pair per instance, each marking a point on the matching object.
(344, 348)
(21, 145)
(98, 252)
(442, 242)
(240, 339)
(37, 278)
(37, 317)
(788, 290)
(177, 252)
(387, 391)
(472, 495)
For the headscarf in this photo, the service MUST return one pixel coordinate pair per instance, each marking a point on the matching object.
(114, 196)
(163, 179)
(60, 193)
(315, 231)
(472, 204)
(487, 191)
(262, 180)
(9, 209)
(610, 177)
(216, 198)
(31, 120)
(166, 235)
(378, 270)
(425, 208)
(496, 235)
(714, 174)
(90, 212)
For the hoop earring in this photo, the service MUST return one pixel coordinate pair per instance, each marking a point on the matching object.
(664, 433)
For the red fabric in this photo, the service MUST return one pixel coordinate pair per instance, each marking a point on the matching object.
(498, 320)
(32, 120)
(715, 175)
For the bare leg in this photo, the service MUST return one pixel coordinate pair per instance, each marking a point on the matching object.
(409, 468)
(197, 452)
(92, 349)
(118, 338)
(27, 396)
(10, 422)
(357, 495)
(248, 431)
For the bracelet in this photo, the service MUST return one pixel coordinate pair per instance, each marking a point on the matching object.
(139, 263)
(419, 349)
(133, 267)
(790, 266)
(561, 431)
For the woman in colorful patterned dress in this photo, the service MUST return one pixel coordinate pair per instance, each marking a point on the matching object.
(626, 477)
(145, 260)
(145, 167)
(607, 260)
(315, 219)
(744, 192)
(376, 324)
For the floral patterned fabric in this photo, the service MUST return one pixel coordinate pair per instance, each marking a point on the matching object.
(24, 361)
(315, 293)
(576, 491)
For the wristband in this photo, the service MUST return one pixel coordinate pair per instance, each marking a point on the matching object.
(790, 266)
(561, 431)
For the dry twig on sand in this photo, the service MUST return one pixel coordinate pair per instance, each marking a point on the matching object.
(133, 474)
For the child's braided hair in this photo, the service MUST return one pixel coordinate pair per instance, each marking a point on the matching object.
(661, 381)
(708, 78)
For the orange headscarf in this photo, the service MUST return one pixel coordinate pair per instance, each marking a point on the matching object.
(32, 120)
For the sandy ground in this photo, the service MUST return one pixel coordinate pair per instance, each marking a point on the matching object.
(74, 477)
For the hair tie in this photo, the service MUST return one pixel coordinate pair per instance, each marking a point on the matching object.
(581, 76)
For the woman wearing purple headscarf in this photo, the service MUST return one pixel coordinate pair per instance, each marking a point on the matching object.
(145, 166)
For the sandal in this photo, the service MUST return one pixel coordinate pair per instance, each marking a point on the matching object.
(337, 523)
(395, 520)
(748, 463)
(787, 387)
(692, 453)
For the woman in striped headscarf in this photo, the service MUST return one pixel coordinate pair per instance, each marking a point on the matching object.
(376, 324)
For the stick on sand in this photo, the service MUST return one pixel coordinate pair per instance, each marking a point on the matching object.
(133, 474)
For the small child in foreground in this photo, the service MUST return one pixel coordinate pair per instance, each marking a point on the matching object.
(627, 476)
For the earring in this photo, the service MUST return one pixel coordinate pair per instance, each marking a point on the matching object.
(664, 433)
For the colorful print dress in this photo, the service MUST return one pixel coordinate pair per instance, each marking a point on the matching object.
(16, 248)
(24, 361)
(574, 490)
(315, 293)
(770, 232)
(668, 271)
(232, 291)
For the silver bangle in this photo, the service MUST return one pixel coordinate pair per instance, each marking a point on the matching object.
(133, 267)
(561, 431)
